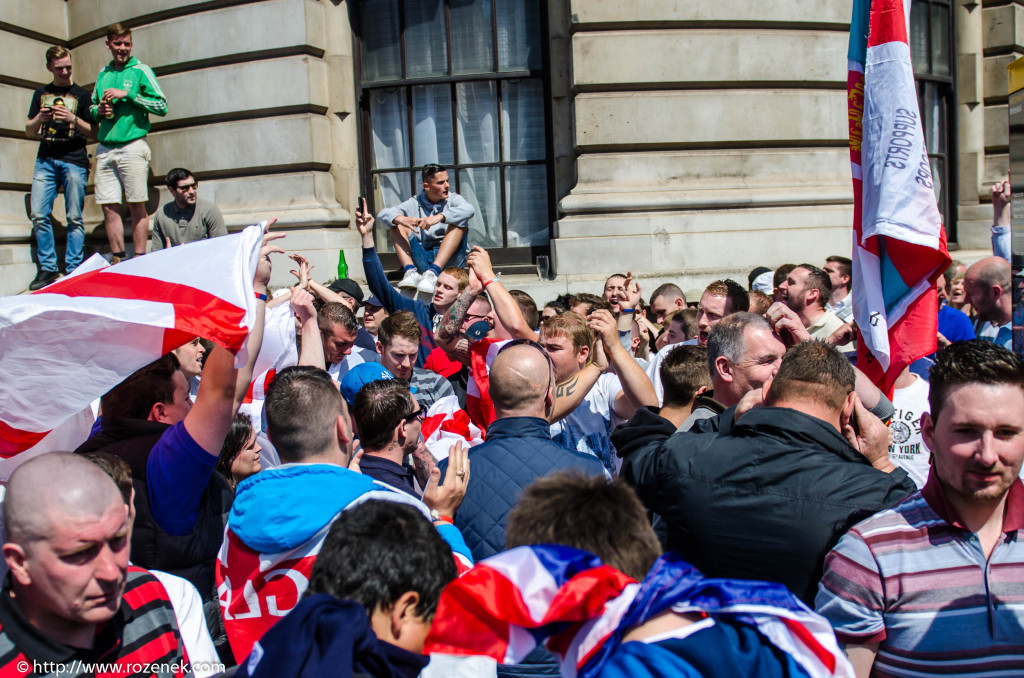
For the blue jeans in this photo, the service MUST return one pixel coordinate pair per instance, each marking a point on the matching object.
(49, 176)
(423, 258)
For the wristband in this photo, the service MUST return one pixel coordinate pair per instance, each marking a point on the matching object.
(438, 518)
(261, 297)
(489, 282)
(627, 310)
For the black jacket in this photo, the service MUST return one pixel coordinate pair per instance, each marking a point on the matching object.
(193, 556)
(764, 498)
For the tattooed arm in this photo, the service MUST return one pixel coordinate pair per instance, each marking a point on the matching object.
(570, 393)
(449, 332)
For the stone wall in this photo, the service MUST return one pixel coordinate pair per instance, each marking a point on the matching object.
(261, 101)
(990, 37)
(708, 139)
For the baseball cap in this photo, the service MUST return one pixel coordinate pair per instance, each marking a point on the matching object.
(373, 301)
(361, 375)
(347, 286)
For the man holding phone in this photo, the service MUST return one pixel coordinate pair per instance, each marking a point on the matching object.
(126, 93)
(59, 115)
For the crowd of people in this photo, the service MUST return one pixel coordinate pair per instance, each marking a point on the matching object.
(706, 474)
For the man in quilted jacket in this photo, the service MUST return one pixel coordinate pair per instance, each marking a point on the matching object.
(518, 449)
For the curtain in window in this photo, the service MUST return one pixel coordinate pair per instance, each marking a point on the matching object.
(382, 56)
(518, 35)
(522, 117)
(432, 125)
(472, 30)
(477, 121)
(426, 47)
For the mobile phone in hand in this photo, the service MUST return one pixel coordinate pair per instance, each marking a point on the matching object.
(361, 205)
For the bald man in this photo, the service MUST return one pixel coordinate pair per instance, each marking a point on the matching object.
(71, 594)
(988, 286)
(519, 448)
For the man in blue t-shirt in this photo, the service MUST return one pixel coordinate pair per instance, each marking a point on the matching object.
(59, 115)
(172, 447)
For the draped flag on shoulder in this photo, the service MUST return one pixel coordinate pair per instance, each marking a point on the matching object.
(899, 244)
(69, 343)
(581, 609)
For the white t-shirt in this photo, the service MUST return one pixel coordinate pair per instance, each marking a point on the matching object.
(588, 429)
(908, 450)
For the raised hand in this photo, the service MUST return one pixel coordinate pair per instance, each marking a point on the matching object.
(446, 497)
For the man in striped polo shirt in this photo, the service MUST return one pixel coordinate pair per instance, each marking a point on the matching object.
(72, 605)
(934, 584)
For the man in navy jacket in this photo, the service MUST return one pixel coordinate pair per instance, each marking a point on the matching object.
(518, 449)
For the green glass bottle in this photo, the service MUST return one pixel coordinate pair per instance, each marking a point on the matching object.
(342, 265)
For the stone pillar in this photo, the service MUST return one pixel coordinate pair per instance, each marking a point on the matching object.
(990, 38)
(707, 141)
(27, 29)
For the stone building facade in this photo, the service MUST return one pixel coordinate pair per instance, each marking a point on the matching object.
(688, 139)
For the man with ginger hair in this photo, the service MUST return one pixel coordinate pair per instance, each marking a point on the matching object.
(576, 353)
(72, 596)
(519, 448)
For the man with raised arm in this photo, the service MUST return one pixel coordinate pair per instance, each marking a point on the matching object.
(450, 283)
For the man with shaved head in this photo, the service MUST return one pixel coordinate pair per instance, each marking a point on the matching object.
(71, 594)
(666, 299)
(518, 449)
(989, 291)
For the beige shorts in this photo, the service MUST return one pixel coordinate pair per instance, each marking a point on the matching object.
(127, 165)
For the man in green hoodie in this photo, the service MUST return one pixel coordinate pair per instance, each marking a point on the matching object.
(126, 93)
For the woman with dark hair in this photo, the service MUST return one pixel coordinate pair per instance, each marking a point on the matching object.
(240, 455)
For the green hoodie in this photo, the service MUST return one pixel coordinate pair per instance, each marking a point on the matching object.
(131, 115)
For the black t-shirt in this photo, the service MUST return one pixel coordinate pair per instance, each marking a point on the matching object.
(62, 140)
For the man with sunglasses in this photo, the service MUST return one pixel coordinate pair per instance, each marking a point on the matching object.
(186, 218)
(388, 422)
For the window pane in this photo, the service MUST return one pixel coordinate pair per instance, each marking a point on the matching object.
(477, 105)
(472, 36)
(382, 57)
(426, 48)
(938, 168)
(480, 187)
(432, 125)
(940, 40)
(389, 190)
(518, 35)
(526, 203)
(934, 119)
(388, 119)
(522, 120)
(919, 36)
